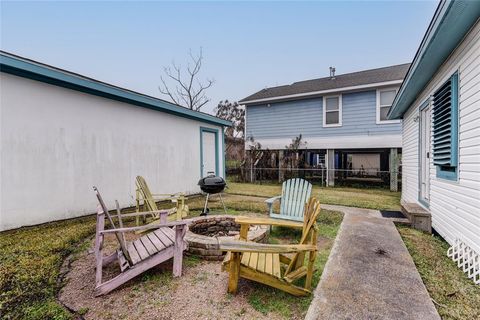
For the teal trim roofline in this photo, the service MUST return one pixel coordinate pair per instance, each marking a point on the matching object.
(451, 22)
(37, 71)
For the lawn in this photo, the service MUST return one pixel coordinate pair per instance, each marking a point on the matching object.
(30, 266)
(454, 295)
(31, 259)
(375, 198)
(266, 300)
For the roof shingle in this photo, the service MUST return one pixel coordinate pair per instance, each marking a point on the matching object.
(384, 74)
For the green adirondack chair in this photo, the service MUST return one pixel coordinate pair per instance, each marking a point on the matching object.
(273, 264)
(295, 193)
(149, 201)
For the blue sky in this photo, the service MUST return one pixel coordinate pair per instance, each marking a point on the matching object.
(247, 45)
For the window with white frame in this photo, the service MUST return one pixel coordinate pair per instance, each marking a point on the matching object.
(385, 99)
(332, 111)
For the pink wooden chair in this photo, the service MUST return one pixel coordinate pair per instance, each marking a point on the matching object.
(136, 257)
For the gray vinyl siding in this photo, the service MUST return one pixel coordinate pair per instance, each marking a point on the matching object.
(291, 118)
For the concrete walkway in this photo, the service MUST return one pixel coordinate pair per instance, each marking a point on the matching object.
(370, 274)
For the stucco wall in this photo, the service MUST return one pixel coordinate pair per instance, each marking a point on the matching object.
(57, 143)
(454, 205)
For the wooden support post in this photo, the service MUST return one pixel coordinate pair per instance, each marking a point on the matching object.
(234, 273)
(178, 250)
(234, 264)
(281, 173)
(244, 232)
(311, 262)
(137, 206)
(163, 217)
(330, 162)
(251, 165)
(99, 245)
(393, 169)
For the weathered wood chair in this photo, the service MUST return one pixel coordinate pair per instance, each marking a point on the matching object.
(267, 263)
(149, 200)
(295, 193)
(141, 254)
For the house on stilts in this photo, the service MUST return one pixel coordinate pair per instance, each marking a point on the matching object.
(343, 120)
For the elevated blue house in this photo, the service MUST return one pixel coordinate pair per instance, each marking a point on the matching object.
(342, 118)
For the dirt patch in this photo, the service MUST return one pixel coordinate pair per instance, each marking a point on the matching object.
(323, 243)
(201, 293)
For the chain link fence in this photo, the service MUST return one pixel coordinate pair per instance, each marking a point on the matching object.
(366, 177)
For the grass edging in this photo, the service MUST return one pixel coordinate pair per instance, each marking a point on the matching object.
(267, 300)
(455, 295)
(30, 268)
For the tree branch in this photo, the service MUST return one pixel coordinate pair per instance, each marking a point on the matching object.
(190, 92)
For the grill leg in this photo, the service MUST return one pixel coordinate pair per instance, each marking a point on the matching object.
(224, 208)
(204, 213)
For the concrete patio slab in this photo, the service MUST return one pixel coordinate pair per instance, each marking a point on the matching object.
(370, 274)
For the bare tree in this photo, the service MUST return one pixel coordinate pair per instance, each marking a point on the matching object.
(185, 89)
(235, 113)
(292, 157)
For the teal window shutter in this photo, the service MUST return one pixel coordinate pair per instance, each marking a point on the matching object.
(445, 129)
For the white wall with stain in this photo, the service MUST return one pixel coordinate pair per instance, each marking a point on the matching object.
(57, 143)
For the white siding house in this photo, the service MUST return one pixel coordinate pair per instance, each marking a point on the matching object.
(62, 133)
(439, 103)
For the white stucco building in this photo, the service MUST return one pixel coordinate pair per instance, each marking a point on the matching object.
(62, 133)
(439, 102)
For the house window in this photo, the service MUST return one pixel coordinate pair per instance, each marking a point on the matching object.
(445, 129)
(332, 111)
(385, 99)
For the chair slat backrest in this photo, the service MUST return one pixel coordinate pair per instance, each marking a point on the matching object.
(295, 193)
(146, 194)
(119, 235)
(311, 212)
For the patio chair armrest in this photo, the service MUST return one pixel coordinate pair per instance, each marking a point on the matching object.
(148, 227)
(272, 200)
(144, 213)
(162, 197)
(245, 246)
(269, 221)
(170, 195)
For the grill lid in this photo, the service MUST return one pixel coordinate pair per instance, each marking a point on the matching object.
(212, 184)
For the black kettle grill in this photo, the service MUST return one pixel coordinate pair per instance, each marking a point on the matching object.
(212, 184)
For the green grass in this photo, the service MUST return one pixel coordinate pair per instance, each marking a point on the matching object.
(31, 257)
(30, 265)
(379, 199)
(455, 296)
(267, 300)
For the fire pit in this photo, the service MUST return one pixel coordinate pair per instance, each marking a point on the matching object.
(203, 232)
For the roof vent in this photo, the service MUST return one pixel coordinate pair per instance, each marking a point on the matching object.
(332, 73)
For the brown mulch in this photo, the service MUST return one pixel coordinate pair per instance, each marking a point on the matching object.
(201, 293)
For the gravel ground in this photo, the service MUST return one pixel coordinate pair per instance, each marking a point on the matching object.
(201, 293)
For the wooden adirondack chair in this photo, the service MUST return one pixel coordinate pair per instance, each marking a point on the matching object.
(148, 199)
(295, 193)
(267, 263)
(136, 257)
